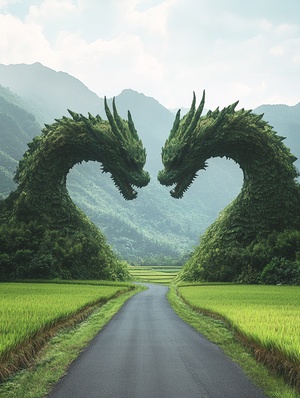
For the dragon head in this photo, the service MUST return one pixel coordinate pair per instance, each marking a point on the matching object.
(116, 145)
(236, 135)
(125, 156)
(179, 156)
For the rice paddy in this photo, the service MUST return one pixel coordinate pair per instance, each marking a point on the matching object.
(267, 316)
(154, 274)
(29, 310)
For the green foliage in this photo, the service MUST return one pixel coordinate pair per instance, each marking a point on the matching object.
(17, 127)
(43, 234)
(281, 271)
(48, 93)
(232, 248)
(251, 264)
(30, 251)
(150, 221)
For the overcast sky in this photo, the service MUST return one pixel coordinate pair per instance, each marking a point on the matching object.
(166, 49)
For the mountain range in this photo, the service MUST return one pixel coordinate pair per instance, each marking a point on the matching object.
(154, 227)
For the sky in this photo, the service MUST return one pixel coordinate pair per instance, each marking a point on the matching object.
(166, 49)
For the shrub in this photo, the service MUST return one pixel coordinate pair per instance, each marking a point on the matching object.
(281, 270)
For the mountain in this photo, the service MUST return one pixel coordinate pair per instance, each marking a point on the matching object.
(286, 122)
(48, 93)
(152, 228)
(17, 127)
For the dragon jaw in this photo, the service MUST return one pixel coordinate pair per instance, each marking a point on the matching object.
(126, 185)
(180, 182)
(182, 186)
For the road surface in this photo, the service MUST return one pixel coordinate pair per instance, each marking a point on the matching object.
(147, 351)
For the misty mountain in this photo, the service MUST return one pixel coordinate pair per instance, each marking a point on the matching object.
(17, 128)
(286, 122)
(154, 225)
(49, 94)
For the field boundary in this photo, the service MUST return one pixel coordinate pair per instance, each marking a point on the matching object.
(24, 354)
(163, 275)
(273, 359)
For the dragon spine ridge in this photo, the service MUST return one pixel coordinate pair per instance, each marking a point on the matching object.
(269, 200)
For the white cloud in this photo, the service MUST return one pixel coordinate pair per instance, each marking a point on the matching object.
(278, 51)
(107, 65)
(4, 3)
(50, 9)
(163, 48)
(22, 43)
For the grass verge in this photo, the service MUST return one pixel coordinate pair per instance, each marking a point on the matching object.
(31, 313)
(264, 318)
(217, 331)
(53, 360)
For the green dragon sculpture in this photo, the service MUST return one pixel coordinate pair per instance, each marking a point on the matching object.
(269, 201)
(42, 207)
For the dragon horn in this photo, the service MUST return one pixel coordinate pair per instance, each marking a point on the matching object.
(187, 120)
(117, 118)
(132, 127)
(197, 114)
(232, 107)
(110, 118)
(74, 115)
(175, 124)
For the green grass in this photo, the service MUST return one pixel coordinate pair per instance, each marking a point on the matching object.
(265, 318)
(71, 338)
(53, 360)
(154, 274)
(32, 312)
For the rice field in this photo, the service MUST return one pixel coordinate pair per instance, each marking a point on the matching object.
(30, 309)
(154, 274)
(268, 316)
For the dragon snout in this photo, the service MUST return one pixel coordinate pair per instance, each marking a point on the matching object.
(140, 179)
(163, 178)
(144, 180)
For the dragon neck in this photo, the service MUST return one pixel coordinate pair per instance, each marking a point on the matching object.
(270, 196)
(264, 160)
(43, 171)
(54, 158)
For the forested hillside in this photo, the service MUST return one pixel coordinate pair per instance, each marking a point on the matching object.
(154, 226)
(286, 121)
(17, 127)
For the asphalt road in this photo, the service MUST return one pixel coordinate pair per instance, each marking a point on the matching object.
(147, 351)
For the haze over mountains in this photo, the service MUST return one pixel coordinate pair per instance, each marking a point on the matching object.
(153, 227)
